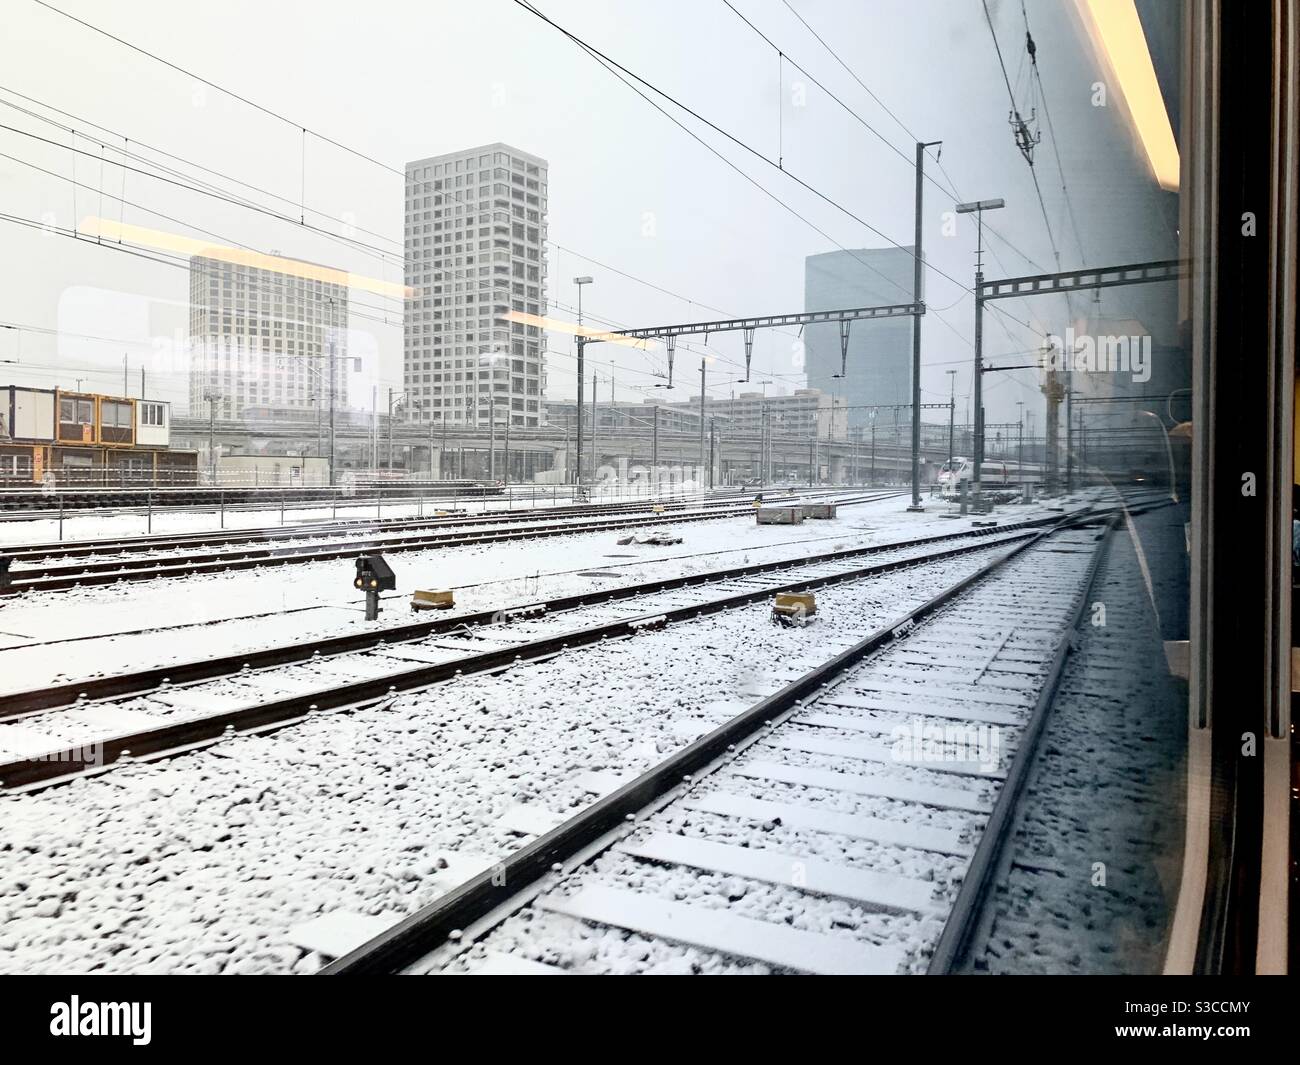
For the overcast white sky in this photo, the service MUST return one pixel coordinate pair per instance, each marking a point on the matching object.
(400, 80)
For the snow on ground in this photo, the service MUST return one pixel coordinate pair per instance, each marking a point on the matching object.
(100, 524)
(85, 632)
(391, 538)
(897, 931)
(204, 863)
(1107, 788)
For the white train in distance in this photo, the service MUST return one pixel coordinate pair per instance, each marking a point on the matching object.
(958, 470)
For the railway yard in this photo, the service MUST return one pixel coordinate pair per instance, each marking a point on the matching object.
(607, 757)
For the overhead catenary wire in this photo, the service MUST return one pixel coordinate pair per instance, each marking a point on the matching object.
(1051, 133)
(1027, 154)
(951, 190)
(271, 112)
(306, 131)
(175, 158)
(618, 71)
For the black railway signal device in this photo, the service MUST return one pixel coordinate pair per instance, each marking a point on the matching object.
(374, 575)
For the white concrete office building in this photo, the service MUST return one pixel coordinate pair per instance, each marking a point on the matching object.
(475, 250)
(263, 338)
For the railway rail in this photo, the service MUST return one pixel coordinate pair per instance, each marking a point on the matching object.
(740, 822)
(38, 553)
(111, 571)
(173, 713)
(15, 502)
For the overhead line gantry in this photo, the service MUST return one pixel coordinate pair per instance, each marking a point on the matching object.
(669, 334)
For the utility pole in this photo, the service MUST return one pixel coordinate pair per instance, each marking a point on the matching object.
(595, 412)
(331, 403)
(702, 412)
(126, 390)
(388, 464)
(977, 208)
(582, 350)
(1020, 446)
(654, 448)
(1069, 432)
(952, 409)
(711, 443)
(505, 472)
(1083, 446)
(492, 437)
(897, 449)
(211, 397)
(916, 328)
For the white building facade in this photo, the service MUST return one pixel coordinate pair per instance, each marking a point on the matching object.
(262, 337)
(475, 242)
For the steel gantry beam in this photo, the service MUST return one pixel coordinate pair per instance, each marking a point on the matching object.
(771, 321)
(1047, 284)
(1083, 280)
(669, 334)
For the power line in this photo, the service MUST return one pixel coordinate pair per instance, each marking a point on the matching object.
(951, 191)
(615, 68)
(362, 155)
(612, 63)
(175, 261)
(191, 188)
(1020, 125)
(213, 85)
(1051, 131)
(176, 158)
(281, 117)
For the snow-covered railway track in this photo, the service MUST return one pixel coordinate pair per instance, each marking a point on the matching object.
(39, 577)
(112, 548)
(844, 824)
(61, 734)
